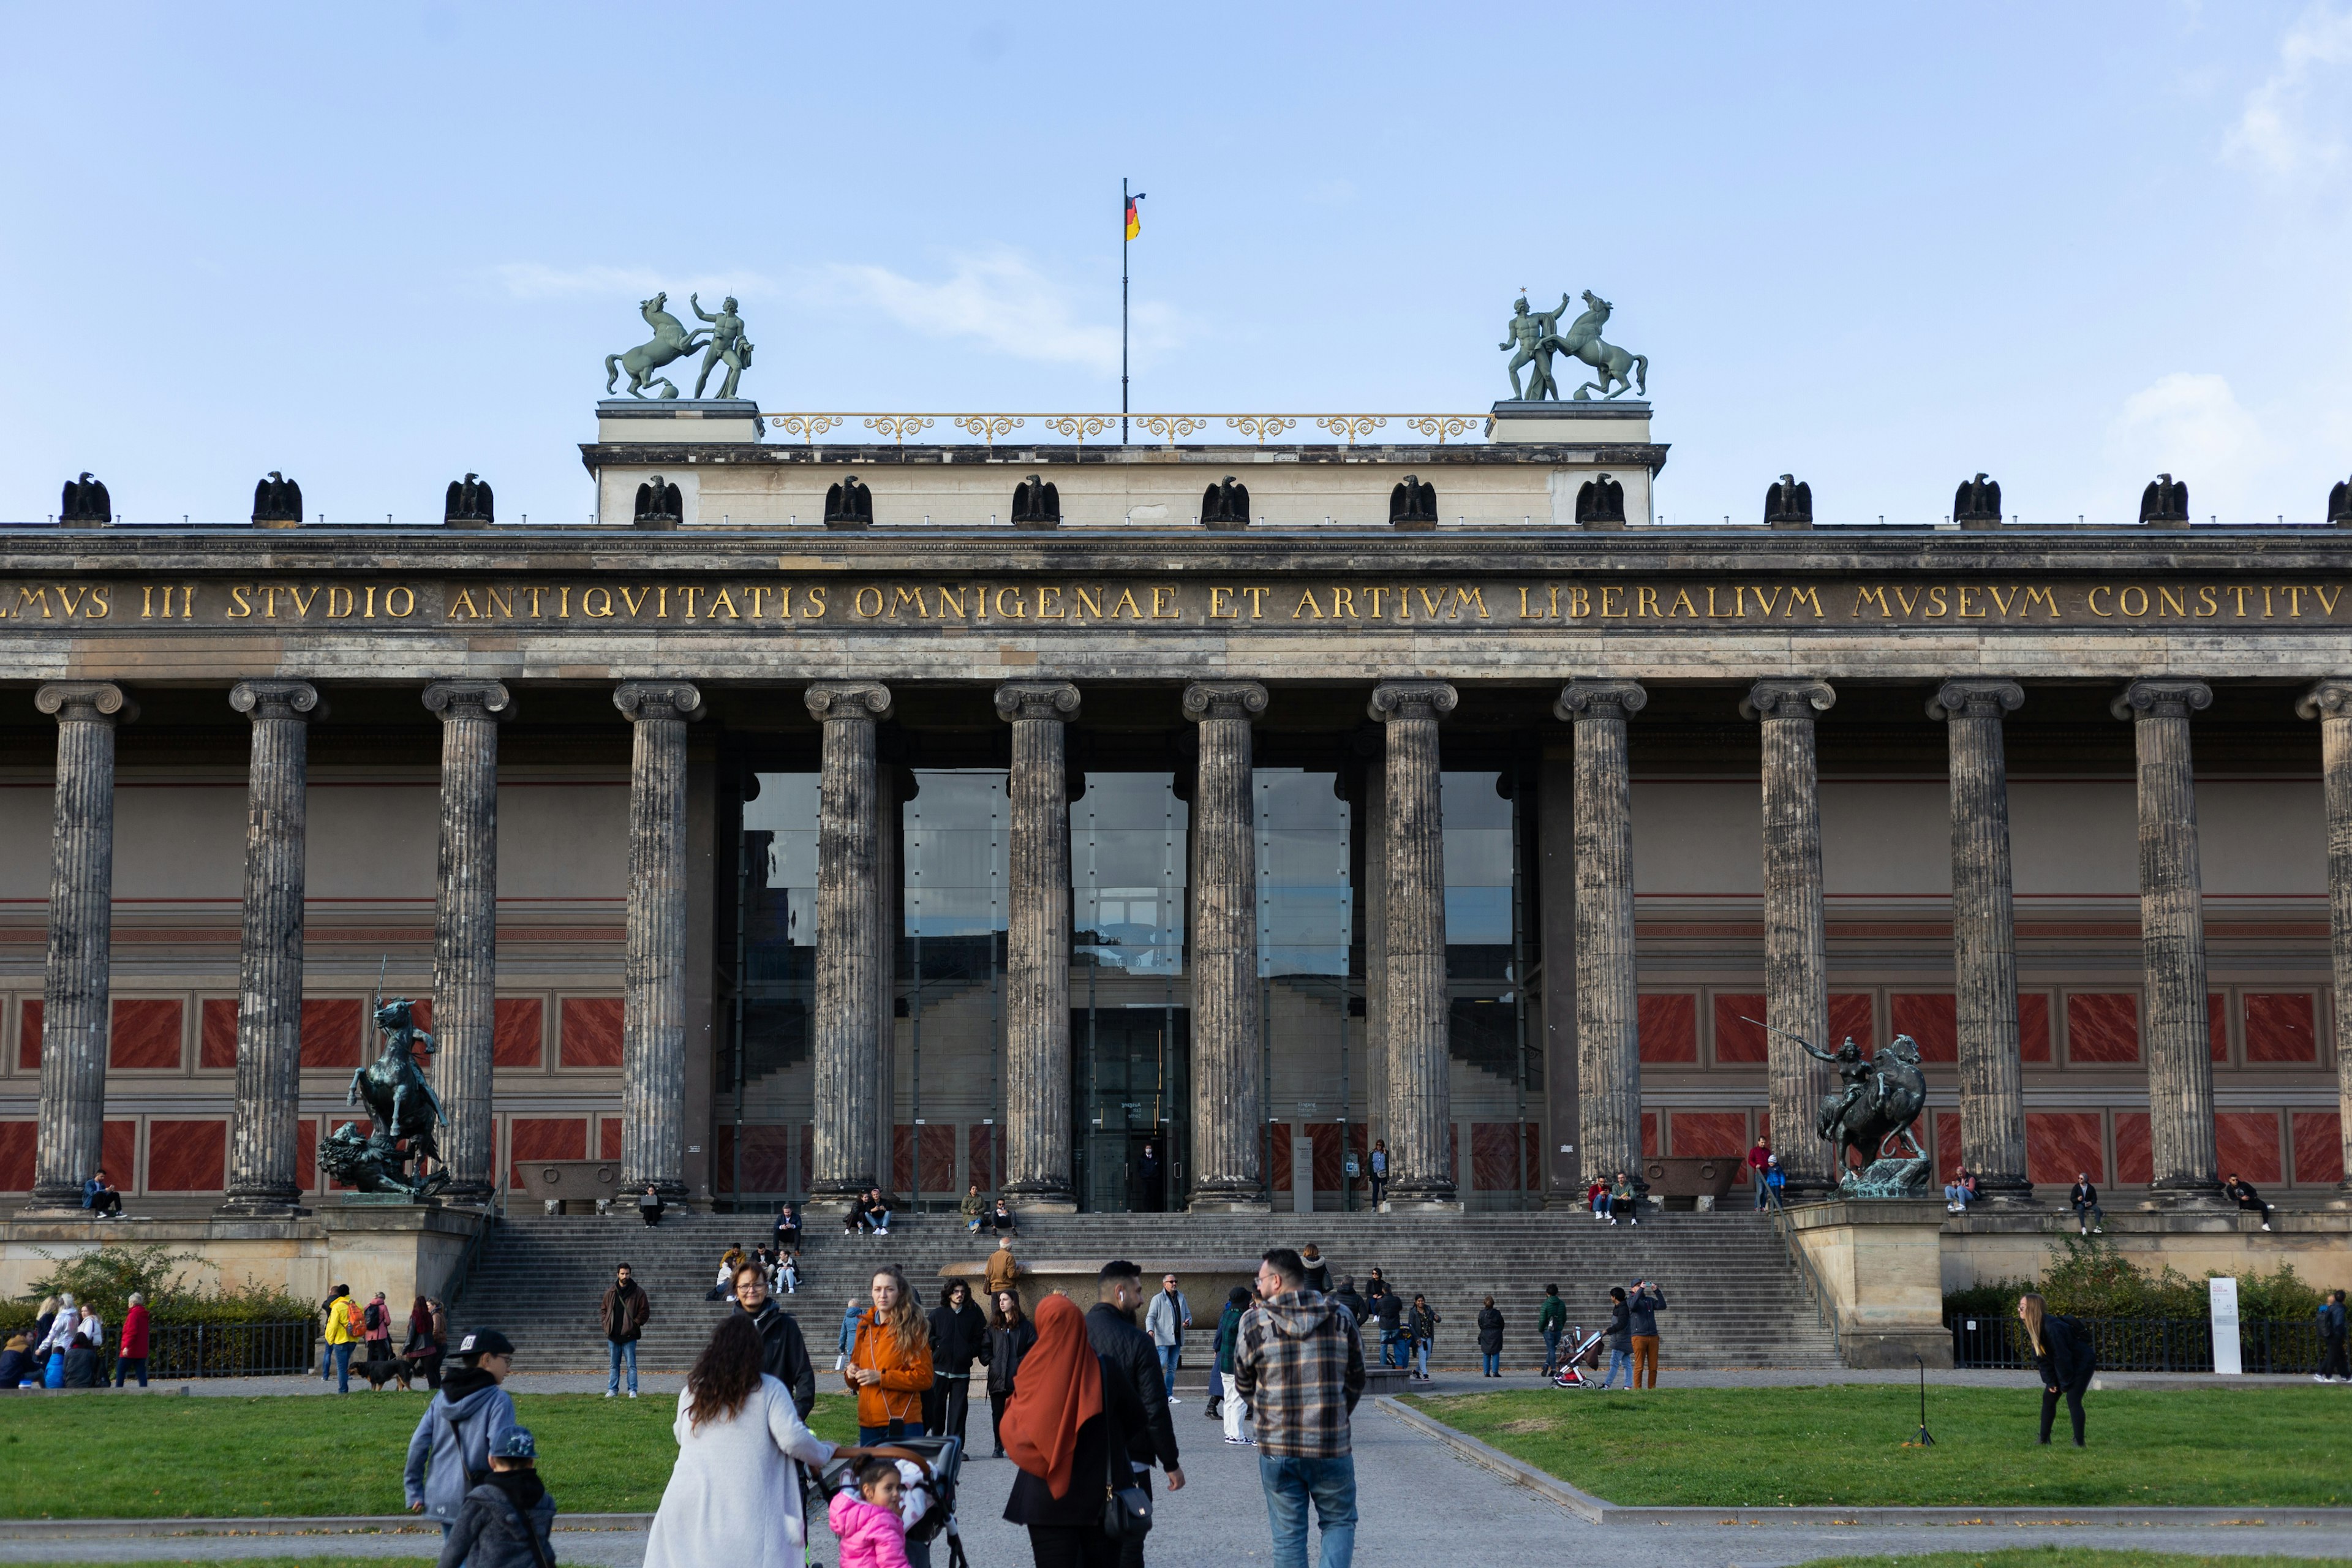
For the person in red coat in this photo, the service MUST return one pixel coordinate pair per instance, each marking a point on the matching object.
(134, 1359)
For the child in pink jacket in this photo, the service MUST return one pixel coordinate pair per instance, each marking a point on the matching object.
(867, 1521)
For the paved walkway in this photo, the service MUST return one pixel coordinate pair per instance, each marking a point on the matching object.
(1419, 1505)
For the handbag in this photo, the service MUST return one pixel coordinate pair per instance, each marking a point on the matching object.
(1127, 1510)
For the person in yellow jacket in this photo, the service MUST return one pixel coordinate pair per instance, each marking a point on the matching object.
(343, 1330)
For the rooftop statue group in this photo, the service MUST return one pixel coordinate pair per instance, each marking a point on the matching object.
(1534, 335)
(722, 344)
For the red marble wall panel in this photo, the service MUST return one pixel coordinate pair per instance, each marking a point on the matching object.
(609, 1135)
(767, 1158)
(1737, 1040)
(2217, 1025)
(2134, 1154)
(2280, 1026)
(2101, 1027)
(1850, 1016)
(1668, 1028)
(2247, 1142)
(1951, 1154)
(28, 1037)
(306, 1154)
(515, 1029)
(331, 1031)
(17, 1140)
(2318, 1147)
(216, 1033)
(144, 1035)
(1495, 1149)
(1931, 1018)
(980, 1156)
(591, 1031)
(1274, 1157)
(532, 1138)
(186, 1156)
(1330, 1157)
(118, 1146)
(2033, 1026)
(2060, 1142)
(1649, 1133)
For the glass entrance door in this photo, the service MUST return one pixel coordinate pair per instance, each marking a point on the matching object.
(1130, 1066)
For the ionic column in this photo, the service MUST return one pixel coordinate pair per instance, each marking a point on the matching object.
(1796, 956)
(81, 895)
(1420, 1089)
(1037, 948)
(264, 1137)
(653, 1016)
(2175, 1032)
(1227, 1129)
(850, 1016)
(2330, 702)
(1984, 935)
(1608, 999)
(465, 928)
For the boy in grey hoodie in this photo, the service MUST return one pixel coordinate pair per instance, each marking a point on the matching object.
(469, 1415)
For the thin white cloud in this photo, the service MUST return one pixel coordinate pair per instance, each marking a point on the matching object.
(997, 299)
(2192, 426)
(2292, 123)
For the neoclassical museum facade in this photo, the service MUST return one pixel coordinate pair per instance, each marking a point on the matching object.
(1164, 847)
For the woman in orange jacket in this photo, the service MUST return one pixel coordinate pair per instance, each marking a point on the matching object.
(890, 1363)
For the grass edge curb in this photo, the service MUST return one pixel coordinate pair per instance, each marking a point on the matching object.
(317, 1524)
(1600, 1510)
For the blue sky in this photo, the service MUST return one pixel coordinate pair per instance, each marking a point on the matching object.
(1882, 245)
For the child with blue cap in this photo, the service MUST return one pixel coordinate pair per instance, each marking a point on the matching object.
(505, 1520)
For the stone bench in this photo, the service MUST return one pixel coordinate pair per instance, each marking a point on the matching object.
(569, 1186)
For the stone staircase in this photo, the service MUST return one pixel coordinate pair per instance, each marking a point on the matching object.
(1734, 1300)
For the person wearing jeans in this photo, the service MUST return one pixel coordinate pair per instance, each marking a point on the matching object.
(342, 1329)
(1619, 1337)
(1166, 1319)
(1301, 1367)
(624, 1311)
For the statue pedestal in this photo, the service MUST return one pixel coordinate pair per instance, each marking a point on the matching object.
(1625, 422)
(645, 420)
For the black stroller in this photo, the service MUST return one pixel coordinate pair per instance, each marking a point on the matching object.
(940, 1460)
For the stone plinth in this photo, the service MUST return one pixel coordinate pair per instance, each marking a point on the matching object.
(669, 420)
(1882, 1263)
(1626, 421)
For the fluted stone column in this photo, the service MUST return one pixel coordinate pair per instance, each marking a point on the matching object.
(1037, 948)
(850, 1016)
(1608, 999)
(1228, 1130)
(466, 929)
(2175, 1029)
(74, 991)
(264, 1175)
(1796, 956)
(1984, 935)
(653, 1018)
(2330, 702)
(1420, 1172)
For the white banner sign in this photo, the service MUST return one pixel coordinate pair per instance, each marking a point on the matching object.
(2225, 1326)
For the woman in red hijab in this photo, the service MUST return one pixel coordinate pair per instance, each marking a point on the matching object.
(1065, 1429)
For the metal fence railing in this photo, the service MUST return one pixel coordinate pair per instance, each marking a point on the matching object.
(2143, 1344)
(230, 1350)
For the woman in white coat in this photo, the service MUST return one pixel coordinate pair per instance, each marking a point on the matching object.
(734, 1497)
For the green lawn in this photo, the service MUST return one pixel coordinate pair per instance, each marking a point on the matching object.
(114, 1457)
(2067, 1557)
(1761, 1447)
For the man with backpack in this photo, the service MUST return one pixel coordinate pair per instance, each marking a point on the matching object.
(343, 1330)
(469, 1415)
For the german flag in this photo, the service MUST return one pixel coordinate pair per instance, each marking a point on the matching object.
(1134, 217)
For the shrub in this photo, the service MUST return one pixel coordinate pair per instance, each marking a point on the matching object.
(2090, 1279)
(106, 1276)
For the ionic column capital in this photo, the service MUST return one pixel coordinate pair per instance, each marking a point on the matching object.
(2161, 698)
(86, 702)
(485, 700)
(642, 700)
(1243, 699)
(1395, 699)
(855, 701)
(1585, 697)
(1783, 697)
(2330, 698)
(1055, 699)
(259, 699)
(1978, 697)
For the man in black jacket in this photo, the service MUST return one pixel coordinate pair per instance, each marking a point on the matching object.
(783, 1354)
(2241, 1192)
(1111, 1330)
(2084, 1199)
(1346, 1297)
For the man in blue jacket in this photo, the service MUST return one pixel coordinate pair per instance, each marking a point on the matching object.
(470, 1413)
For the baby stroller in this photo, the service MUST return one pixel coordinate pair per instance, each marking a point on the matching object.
(1583, 1359)
(926, 1505)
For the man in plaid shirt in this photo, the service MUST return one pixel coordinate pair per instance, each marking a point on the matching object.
(1301, 1367)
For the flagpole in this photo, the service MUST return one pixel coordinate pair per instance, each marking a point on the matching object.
(1123, 200)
